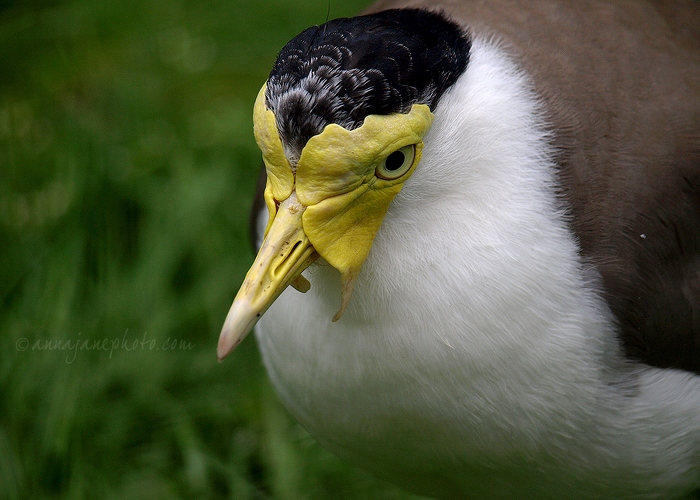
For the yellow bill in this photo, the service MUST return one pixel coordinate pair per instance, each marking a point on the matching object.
(330, 205)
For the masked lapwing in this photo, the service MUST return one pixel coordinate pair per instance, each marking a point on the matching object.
(496, 209)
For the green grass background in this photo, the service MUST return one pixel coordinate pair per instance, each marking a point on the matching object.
(127, 165)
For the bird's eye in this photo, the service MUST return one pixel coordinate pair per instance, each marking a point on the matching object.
(397, 163)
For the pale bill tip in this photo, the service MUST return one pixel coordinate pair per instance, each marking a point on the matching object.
(240, 320)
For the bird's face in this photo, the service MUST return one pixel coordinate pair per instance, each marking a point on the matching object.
(330, 203)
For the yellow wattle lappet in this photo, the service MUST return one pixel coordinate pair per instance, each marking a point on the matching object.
(331, 204)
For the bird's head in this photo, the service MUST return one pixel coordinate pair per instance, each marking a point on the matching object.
(340, 123)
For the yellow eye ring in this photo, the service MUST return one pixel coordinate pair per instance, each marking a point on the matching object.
(397, 163)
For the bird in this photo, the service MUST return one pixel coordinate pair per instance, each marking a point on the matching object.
(490, 211)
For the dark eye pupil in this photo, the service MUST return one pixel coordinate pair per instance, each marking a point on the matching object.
(394, 161)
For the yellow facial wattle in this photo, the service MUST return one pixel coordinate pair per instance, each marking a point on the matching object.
(336, 197)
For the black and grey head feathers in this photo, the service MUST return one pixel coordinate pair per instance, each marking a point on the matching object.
(344, 70)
